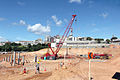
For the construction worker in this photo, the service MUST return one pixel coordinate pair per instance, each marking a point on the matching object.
(24, 71)
(37, 68)
(61, 64)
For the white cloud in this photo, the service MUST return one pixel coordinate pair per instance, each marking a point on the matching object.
(39, 29)
(2, 19)
(104, 15)
(21, 22)
(21, 3)
(77, 1)
(55, 19)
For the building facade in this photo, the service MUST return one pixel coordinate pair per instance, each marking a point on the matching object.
(77, 42)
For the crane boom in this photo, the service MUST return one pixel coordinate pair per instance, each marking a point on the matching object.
(63, 37)
(66, 31)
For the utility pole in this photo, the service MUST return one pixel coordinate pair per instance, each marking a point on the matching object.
(89, 69)
(90, 56)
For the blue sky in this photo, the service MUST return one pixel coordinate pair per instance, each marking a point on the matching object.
(32, 19)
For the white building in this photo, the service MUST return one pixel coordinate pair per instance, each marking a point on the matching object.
(25, 43)
(116, 41)
(78, 42)
(2, 43)
(38, 41)
(35, 42)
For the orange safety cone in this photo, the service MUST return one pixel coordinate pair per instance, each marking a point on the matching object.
(24, 71)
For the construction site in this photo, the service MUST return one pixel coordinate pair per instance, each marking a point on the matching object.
(61, 62)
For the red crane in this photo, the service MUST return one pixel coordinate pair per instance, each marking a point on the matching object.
(61, 40)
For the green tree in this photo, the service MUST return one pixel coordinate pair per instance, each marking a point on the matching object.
(107, 41)
(30, 47)
(7, 47)
(99, 40)
(0, 48)
(23, 48)
(18, 47)
(89, 38)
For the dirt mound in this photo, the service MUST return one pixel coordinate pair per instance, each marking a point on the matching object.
(73, 72)
(41, 76)
(64, 75)
(114, 46)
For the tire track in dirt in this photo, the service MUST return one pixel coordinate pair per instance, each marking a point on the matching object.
(40, 76)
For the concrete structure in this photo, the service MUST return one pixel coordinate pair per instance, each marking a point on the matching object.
(8, 58)
(11, 59)
(14, 60)
(85, 44)
(18, 58)
(52, 39)
(23, 60)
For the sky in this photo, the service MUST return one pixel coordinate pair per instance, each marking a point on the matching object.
(33, 19)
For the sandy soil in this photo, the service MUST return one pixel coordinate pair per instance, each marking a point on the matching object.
(76, 69)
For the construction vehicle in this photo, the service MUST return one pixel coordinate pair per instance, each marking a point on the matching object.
(98, 56)
(54, 54)
(102, 56)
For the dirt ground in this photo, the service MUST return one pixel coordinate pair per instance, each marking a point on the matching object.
(76, 69)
